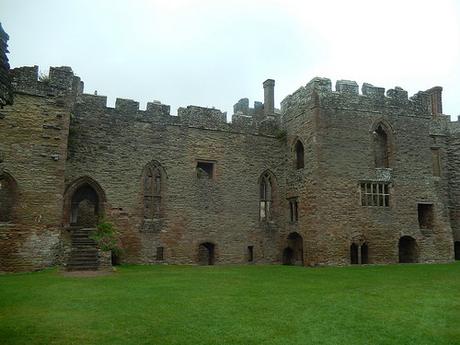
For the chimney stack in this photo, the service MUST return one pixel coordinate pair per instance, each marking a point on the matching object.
(436, 99)
(269, 97)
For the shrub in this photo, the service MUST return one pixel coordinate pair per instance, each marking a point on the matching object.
(106, 237)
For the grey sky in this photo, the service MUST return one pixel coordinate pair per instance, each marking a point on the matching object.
(212, 53)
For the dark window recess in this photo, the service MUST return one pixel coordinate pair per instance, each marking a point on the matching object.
(299, 153)
(250, 253)
(381, 147)
(457, 250)
(364, 253)
(425, 216)
(354, 254)
(205, 170)
(375, 194)
(160, 254)
(436, 162)
(293, 210)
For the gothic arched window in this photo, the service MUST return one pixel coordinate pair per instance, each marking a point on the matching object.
(266, 201)
(153, 182)
(299, 155)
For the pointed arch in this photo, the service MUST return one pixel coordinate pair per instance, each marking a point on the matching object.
(382, 134)
(8, 197)
(84, 202)
(267, 194)
(153, 190)
(298, 150)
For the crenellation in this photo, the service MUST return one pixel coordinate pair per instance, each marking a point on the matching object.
(373, 91)
(61, 78)
(89, 100)
(201, 116)
(347, 86)
(126, 106)
(158, 109)
(398, 94)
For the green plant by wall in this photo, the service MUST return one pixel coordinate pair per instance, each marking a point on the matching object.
(106, 237)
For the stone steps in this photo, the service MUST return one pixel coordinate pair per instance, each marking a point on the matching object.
(84, 254)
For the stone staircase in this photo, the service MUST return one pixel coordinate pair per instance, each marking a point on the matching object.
(84, 254)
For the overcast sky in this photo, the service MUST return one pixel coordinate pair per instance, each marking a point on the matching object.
(212, 53)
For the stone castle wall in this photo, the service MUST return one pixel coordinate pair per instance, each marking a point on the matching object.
(56, 139)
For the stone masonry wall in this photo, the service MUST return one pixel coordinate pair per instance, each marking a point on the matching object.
(344, 157)
(112, 147)
(33, 148)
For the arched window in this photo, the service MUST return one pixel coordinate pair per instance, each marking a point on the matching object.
(7, 197)
(381, 147)
(299, 155)
(265, 209)
(153, 182)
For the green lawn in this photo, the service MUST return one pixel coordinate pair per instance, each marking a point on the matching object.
(395, 304)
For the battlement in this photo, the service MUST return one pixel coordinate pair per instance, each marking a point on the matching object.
(318, 93)
(60, 81)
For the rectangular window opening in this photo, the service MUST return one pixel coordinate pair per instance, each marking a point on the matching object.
(250, 253)
(205, 169)
(425, 216)
(160, 253)
(375, 194)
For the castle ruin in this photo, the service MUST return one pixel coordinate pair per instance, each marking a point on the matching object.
(335, 177)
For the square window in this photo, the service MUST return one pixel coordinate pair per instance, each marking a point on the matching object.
(205, 169)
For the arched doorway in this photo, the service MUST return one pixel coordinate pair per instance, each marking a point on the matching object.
(8, 197)
(457, 250)
(206, 253)
(85, 207)
(293, 253)
(83, 203)
(407, 250)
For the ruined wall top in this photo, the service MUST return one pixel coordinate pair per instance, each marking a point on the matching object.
(318, 93)
(6, 92)
(59, 82)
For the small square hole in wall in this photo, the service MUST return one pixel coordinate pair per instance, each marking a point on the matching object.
(205, 169)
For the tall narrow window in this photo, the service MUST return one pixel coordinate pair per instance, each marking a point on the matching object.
(299, 154)
(153, 189)
(265, 198)
(381, 148)
(293, 210)
(436, 162)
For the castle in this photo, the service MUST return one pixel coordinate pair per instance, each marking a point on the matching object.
(335, 177)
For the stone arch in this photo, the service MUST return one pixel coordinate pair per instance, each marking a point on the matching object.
(8, 197)
(268, 196)
(293, 252)
(408, 250)
(207, 253)
(154, 186)
(298, 149)
(84, 202)
(382, 138)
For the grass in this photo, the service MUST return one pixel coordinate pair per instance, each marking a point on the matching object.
(395, 304)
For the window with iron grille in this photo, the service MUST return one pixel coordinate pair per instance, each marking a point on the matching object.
(375, 194)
